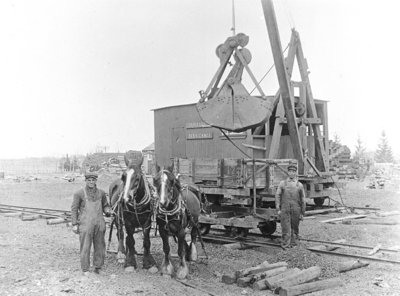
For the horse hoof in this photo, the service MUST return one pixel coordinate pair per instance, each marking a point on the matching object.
(129, 269)
(182, 273)
(193, 253)
(153, 270)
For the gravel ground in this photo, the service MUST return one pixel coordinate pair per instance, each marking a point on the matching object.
(37, 259)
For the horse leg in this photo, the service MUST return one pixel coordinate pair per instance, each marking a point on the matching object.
(148, 260)
(192, 248)
(183, 269)
(121, 249)
(131, 264)
(166, 267)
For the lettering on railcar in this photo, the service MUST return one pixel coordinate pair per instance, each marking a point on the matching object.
(199, 136)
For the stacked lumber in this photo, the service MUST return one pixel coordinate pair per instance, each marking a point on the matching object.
(278, 278)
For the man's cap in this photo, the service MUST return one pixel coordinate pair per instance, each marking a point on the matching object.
(93, 175)
(292, 166)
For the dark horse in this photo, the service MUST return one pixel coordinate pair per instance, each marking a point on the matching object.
(177, 209)
(133, 206)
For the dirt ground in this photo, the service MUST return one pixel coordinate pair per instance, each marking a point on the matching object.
(39, 259)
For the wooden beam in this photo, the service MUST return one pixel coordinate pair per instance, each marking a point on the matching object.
(246, 271)
(276, 136)
(283, 79)
(271, 281)
(254, 147)
(350, 265)
(259, 279)
(304, 276)
(310, 287)
(303, 68)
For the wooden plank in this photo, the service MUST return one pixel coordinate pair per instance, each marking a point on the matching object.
(324, 211)
(344, 218)
(386, 214)
(310, 287)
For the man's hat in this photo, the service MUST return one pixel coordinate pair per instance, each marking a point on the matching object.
(292, 165)
(89, 174)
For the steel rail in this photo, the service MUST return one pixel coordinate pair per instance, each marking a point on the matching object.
(33, 208)
(35, 212)
(322, 242)
(263, 244)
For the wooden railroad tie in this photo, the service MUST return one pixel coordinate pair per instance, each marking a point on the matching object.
(283, 281)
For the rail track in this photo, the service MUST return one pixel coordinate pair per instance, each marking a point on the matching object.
(258, 240)
(55, 216)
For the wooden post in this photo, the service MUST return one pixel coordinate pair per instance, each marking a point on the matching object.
(13, 214)
(269, 267)
(246, 271)
(304, 276)
(350, 265)
(56, 221)
(283, 79)
(229, 278)
(258, 280)
(30, 217)
(310, 287)
(271, 281)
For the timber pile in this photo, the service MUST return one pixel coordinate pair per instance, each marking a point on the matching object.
(278, 278)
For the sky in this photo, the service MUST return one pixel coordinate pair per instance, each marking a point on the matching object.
(77, 74)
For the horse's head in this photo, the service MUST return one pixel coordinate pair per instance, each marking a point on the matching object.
(168, 187)
(131, 179)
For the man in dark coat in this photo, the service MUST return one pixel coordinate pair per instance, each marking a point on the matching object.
(88, 206)
(291, 206)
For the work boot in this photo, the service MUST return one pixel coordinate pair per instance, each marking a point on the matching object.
(98, 271)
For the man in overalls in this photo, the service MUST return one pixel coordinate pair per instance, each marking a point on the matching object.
(87, 209)
(291, 206)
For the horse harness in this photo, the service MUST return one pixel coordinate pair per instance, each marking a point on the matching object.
(137, 207)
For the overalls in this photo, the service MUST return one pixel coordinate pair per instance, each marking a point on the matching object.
(290, 213)
(92, 228)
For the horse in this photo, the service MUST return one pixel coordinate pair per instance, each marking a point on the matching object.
(177, 209)
(132, 203)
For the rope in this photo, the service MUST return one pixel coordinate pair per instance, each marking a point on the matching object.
(269, 70)
(229, 139)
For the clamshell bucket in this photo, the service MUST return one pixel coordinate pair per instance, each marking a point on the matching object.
(235, 110)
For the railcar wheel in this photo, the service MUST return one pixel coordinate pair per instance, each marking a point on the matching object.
(204, 228)
(319, 201)
(267, 228)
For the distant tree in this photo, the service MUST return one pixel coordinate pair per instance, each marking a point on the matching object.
(336, 140)
(359, 154)
(384, 151)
